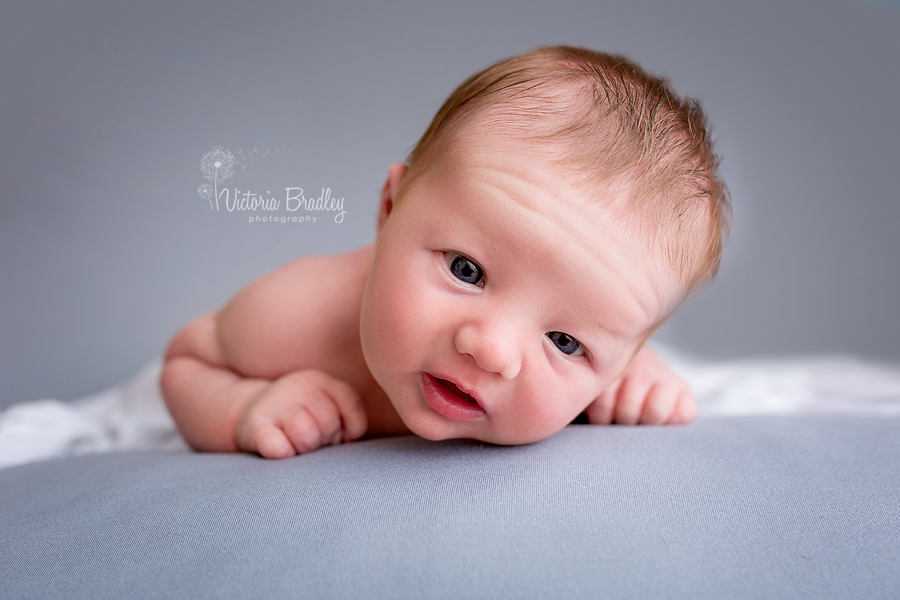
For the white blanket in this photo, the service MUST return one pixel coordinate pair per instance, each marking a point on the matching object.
(132, 416)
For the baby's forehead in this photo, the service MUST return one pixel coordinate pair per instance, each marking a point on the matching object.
(550, 175)
(545, 178)
(530, 227)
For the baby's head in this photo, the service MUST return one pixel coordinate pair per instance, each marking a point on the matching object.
(560, 207)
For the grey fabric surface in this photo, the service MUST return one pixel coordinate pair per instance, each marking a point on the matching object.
(756, 507)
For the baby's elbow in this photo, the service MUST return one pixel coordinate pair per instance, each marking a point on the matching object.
(172, 379)
(198, 339)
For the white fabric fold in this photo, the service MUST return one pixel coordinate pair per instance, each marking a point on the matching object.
(131, 416)
(790, 385)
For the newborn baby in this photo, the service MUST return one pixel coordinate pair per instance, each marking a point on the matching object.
(559, 208)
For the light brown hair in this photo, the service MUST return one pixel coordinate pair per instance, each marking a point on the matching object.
(615, 125)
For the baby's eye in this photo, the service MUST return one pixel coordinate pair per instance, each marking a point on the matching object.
(566, 343)
(464, 269)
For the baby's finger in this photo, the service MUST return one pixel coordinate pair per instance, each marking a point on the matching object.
(659, 405)
(302, 430)
(326, 414)
(630, 401)
(350, 405)
(600, 411)
(685, 410)
(268, 441)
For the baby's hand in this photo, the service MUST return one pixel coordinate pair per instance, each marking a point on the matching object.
(300, 412)
(647, 393)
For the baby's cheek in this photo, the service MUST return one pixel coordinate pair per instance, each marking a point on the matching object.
(397, 325)
(404, 345)
(553, 407)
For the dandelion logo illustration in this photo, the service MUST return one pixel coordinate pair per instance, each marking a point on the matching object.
(217, 165)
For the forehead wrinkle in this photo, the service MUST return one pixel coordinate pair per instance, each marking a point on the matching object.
(608, 196)
(551, 211)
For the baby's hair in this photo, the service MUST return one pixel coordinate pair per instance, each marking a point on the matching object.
(621, 129)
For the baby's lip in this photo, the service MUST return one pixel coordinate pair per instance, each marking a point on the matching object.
(463, 392)
(447, 397)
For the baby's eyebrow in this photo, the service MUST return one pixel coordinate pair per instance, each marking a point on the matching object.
(601, 336)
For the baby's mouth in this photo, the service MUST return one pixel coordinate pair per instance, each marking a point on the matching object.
(449, 399)
(454, 389)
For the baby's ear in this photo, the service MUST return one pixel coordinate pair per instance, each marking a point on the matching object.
(389, 191)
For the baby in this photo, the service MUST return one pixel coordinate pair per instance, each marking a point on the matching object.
(560, 207)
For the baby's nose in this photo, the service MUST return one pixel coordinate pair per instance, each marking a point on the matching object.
(492, 349)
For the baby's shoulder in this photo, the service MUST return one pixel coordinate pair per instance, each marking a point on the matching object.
(349, 268)
(312, 280)
(273, 325)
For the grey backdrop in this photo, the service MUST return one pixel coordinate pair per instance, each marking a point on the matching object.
(106, 248)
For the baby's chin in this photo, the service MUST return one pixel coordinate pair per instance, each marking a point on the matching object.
(435, 433)
(511, 438)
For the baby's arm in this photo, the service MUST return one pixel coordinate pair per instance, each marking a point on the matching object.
(646, 393)
(242, 379)
(218, 410)
(204, 396)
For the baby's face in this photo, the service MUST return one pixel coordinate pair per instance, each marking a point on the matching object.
(499, 305)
